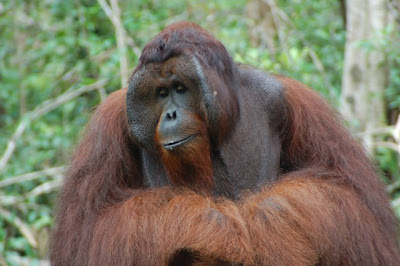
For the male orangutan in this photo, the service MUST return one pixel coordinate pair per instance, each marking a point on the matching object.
(205, 161)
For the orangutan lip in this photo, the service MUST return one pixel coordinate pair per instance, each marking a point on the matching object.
(173, 144)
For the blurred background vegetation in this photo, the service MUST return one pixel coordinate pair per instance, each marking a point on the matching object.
(59, 59)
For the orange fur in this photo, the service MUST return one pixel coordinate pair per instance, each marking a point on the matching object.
(191, 165)
(328, 213)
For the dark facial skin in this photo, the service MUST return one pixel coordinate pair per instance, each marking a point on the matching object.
(167, 118)
(174, 126)
(164, 98)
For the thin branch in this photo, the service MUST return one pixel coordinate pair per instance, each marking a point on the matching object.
(42, 109)
(12, 143)
(55, 171)
(45, 188)
(135, 48)
(20, 225)
(396, 203)
(10, 200)
(377, 131)
(114, 14)
(106, 9)
(121, 42)
(50, 105)
(103, 93)
(386, 144)
(392, 187)
(314, 57)
(276, 13)
(396, 131)
(19, 259)
(109, 12)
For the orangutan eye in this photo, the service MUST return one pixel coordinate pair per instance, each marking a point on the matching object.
(163, 92)
(181, 89)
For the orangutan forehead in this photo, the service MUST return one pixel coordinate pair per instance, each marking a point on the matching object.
(182, 68)
(174, 66)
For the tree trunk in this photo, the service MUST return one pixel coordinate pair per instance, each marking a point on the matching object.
(365, 74)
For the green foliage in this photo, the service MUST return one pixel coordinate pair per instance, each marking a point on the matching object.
(52, 47)
(392, 47)
(388, 158)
